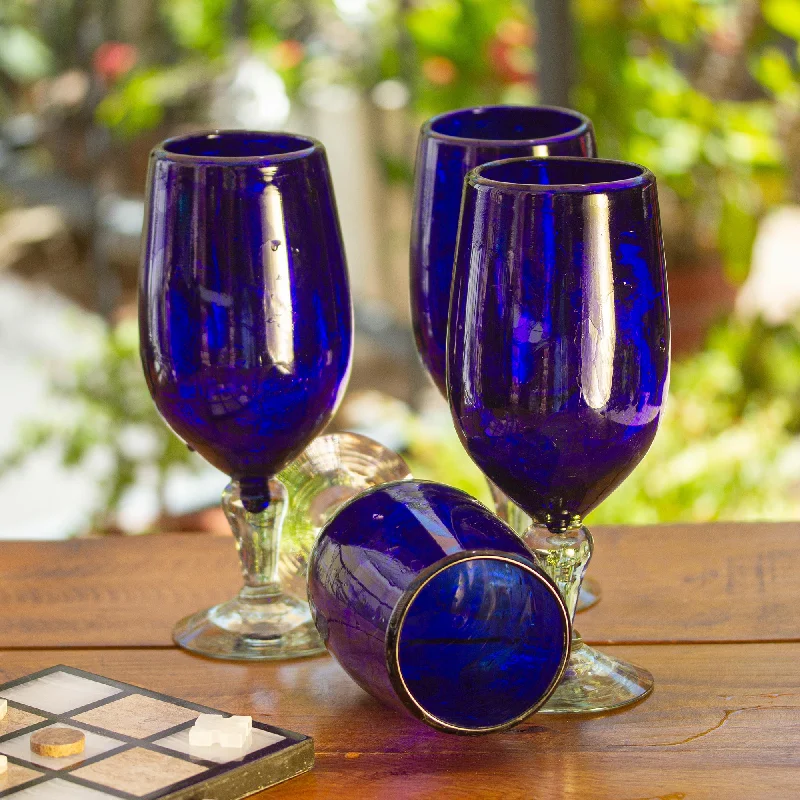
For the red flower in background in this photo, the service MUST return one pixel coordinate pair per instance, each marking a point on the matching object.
(439, 70)
(112, 60)
(509, 51)
(516, 33)
(288, 54)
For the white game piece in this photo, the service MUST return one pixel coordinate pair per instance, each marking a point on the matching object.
(3, 765)
(230, 732)
(3, 707)
(202, 733)
(239, 733)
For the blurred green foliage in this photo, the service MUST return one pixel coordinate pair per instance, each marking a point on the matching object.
(702, 91)
(470, 52)
(705, 92)
(142, 101)
(106, 410)
(24, 57)
(690, 89)
(727, 448)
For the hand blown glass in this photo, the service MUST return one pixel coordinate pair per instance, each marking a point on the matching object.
(245, 325)
(559, 359)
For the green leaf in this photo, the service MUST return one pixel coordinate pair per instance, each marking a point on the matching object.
(773, 70)
(201, 25)
(784, 16)
(139, 104)
(434, 26)
(396, 169)
(737, 232)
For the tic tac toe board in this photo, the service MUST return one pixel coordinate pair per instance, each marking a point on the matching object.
(137, 745)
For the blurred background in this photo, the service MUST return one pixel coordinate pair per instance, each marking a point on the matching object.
(704, 92)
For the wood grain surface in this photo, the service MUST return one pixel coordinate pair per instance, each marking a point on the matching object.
(671, 583)
(723, 722)
(710, 610)
(111, 592)
(718, 582)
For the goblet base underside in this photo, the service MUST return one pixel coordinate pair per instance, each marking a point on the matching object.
(595, 682)
(277, 627)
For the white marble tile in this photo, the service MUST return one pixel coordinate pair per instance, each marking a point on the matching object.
(58, 789)
(59, 692)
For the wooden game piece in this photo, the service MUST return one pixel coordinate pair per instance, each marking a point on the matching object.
(3, 707)
(58, 742)
(3, 765)
(211, 729)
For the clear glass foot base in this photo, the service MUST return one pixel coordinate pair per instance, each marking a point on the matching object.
(595, 682)
(276, 627)
(589, 594)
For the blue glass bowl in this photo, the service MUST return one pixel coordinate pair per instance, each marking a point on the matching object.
(244, 302)
(559, 329)
(434, 606)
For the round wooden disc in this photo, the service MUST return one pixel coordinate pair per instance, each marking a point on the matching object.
(58, 742)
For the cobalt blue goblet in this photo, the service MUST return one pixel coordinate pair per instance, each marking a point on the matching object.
(450, 145)
(245, 326)
(559, 360)
(434, 606)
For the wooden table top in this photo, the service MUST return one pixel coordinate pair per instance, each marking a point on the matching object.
(710, 610)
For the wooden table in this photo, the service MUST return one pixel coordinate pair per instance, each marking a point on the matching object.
(711, 610)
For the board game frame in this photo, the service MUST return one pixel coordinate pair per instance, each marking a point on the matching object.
(251, 773)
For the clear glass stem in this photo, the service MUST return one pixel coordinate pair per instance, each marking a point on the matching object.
(511, 513)
(593, 681)
(564, 556)
(258, 539)
(261, 622)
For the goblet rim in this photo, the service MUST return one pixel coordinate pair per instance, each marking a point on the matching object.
(162, 151)
(406, 602)
(644, 177)
(583, 125)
